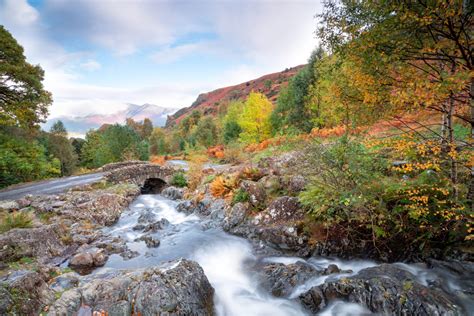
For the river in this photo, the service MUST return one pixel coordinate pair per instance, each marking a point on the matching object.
(228, 261)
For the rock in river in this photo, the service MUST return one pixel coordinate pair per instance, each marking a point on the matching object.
(177, 288)
(387, 289)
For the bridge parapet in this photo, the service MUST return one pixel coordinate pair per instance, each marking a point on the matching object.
(121, 164)
(140, 173)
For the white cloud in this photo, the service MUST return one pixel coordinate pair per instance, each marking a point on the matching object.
(91, 65)
(256, 36)
(171, 54)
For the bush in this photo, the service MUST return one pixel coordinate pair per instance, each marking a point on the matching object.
(355, 193)
(222, 187)
(240, 196)
(179, 180)
(15, 220)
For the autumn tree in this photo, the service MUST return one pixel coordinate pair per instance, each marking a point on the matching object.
(158, 143)
(254, 119)
(423, 49)
(23, 100)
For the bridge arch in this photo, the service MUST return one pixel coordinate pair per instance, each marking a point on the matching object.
(149, 177)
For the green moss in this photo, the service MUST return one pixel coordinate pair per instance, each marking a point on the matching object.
(15, 220)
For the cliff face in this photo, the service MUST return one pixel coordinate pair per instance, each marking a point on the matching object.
(209, 103)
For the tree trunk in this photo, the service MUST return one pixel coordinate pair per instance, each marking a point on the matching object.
(470, 194)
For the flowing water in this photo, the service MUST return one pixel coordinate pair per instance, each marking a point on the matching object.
(227, 261)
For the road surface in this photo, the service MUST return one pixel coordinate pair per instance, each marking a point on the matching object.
(52, 186)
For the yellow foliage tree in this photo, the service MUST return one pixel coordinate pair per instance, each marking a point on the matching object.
(254, 119)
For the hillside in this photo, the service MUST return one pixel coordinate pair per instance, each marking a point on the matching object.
(208, 103)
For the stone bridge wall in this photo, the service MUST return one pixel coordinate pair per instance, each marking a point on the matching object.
(139, 173)
(121, 164)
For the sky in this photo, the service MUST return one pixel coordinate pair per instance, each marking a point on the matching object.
(99, 55)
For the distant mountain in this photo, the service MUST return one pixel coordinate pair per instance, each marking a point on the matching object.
(79, 125)
(208, 103)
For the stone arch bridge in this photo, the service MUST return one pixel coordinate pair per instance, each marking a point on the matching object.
(150, 177)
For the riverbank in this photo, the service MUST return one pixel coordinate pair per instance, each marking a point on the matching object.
(104, 247)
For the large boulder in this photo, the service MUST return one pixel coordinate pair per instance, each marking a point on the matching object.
(85, 261)
(281, 210)
(280, 279)
(24, 293)
(177, 288)
(44, 242)
(235, 216)
(173, 193)
(255, 191)
(387, 289)
(187, 207)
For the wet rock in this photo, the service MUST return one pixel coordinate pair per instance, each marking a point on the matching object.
(179, 288)
(105, 209)
(88, 259)
(235, 216)
(204, 206)
(256, 192)
(331, 269)
(64, 282)
(217, 209)
(146, 216)
(386, 289)
(173, 193)
(44, 243)
(186, 207)
(150, 241)
(156, 226)
(24, 293)
(281, 279)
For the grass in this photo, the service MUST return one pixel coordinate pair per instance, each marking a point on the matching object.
(15, 220)
(179, 180)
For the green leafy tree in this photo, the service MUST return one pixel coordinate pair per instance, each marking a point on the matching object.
(59, 129)
(23, 100)
(23, 159)
(61, 148)
(206, 133)
(293, 111)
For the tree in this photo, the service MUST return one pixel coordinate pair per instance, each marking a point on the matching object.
(23, 100)
(423, 48)
(293, 111)
(58, 128)
(231, 128)
(254, 119)
(147, 128)
(206, 132)
(60, 147)
(158, 144)
(23, 159)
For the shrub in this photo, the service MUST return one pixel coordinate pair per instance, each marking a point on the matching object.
(353, 192)
(15, 220)
(240, 196)
(179, 180)
(222, 187)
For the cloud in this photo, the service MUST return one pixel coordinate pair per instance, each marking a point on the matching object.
(171, 54)
(91, 65)
(248, 38)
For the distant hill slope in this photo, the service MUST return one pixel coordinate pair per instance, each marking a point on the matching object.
(208, 103)
(79, 125)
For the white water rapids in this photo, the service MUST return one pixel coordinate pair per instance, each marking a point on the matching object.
(226, 260)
